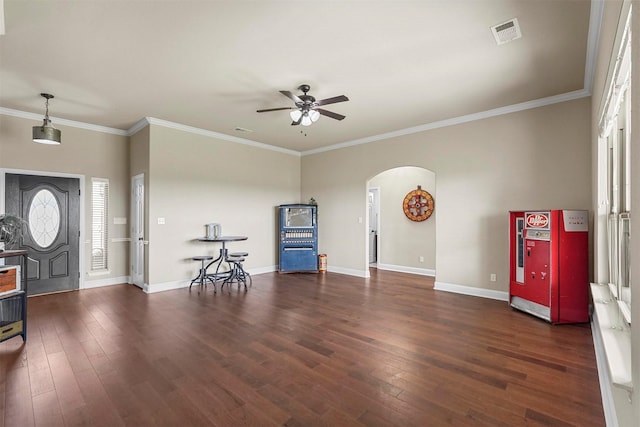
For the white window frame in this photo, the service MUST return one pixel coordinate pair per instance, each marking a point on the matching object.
(615, 129)
(611, 315)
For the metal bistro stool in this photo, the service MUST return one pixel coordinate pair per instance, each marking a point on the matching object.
(237, 272)
(202, 277)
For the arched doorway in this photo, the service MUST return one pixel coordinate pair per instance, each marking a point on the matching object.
(398, 243)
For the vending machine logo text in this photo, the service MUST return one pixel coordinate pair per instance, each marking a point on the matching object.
(537, 220)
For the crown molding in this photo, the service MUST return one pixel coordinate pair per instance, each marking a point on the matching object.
(64, 122)
(569, 96)
(593, 40)
(208, 133)
(595, 22)
(138, 126)
(146, 121)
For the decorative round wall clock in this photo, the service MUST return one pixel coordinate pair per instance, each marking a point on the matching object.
(418, 205)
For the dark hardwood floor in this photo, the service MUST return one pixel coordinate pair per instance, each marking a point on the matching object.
(296, 350)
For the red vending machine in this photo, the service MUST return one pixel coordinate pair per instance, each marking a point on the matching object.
(549, 264)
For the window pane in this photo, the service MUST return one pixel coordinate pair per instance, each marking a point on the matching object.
(624, 282)
(44, 218)
(612, 237)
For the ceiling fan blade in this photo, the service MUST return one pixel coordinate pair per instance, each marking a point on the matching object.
(275, 109)
(330, 114)
(291, 96)
(333, 100)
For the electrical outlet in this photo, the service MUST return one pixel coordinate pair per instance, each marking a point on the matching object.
(421, 259)
(493, 277)
(161, 221)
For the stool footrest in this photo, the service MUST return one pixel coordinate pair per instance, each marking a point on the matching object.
(237, 273)
(202, 277)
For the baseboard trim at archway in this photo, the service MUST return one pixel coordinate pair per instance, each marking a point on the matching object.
(469, 290)
(404, 269)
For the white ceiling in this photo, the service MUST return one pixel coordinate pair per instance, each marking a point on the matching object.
(211, 64)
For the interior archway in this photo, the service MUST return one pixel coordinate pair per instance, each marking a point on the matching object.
(401, 244)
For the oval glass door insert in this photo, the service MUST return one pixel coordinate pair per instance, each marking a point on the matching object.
(44, 218)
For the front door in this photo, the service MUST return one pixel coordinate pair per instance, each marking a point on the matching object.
(51, 208)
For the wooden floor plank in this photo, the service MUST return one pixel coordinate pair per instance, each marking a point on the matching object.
(296, 350)
(46, 409)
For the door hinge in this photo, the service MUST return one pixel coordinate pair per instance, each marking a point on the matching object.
(79, 192)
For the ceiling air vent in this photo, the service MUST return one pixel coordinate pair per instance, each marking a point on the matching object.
(506, 31)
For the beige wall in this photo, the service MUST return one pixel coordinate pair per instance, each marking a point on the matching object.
(195, 180)
(401, 241)
(190, 180)
(84, 153)
(534, 159)
(139, 152)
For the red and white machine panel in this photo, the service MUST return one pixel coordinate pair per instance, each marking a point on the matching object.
(549, 264)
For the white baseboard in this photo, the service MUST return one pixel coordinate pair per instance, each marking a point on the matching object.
(262, 270)
(88, 284)
(411, 270)
(349, 271)
(178, 284)
(468, 290)
(166, 286)
(608, 405)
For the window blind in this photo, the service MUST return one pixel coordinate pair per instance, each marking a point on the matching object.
(99, 223)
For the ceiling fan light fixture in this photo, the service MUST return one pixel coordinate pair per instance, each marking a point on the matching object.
(295, 115)
(306, 120)
(306, 111)
(314, 115)
(47, 134)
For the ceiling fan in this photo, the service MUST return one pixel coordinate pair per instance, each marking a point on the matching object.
(306, 110)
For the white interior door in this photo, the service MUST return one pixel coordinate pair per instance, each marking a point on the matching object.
(373, 225)
(137, 230)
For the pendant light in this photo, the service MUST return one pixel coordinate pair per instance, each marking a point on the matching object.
(46, 134)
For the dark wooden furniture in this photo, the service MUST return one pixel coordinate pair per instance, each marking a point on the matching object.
(13, 304)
